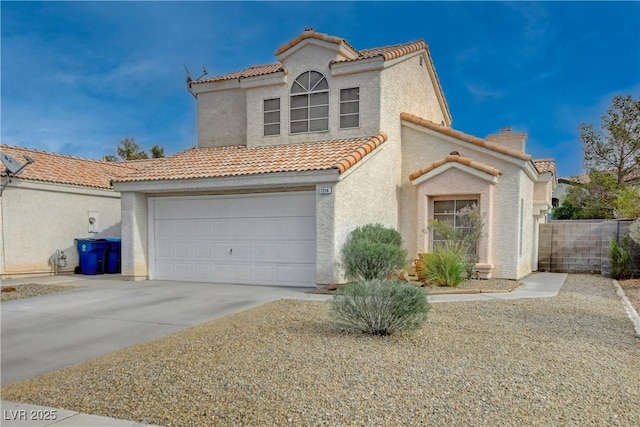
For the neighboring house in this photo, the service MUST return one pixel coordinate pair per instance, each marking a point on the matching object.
(49, 204)
(292, 156)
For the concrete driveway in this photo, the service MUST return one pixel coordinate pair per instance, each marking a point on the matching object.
(104, 314)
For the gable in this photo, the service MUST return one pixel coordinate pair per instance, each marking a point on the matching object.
(455, 161)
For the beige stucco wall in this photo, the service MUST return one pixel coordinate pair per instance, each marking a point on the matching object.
(36, 219)
(314, 58)
(422, 147)
(222, 118)
(135, 242)
(363, 196)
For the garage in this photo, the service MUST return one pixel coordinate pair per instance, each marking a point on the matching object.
(262, 239)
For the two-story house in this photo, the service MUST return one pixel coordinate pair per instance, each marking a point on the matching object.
(292, 156)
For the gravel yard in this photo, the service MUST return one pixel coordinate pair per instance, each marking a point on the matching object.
(632, 291)
(567, 360)
(30, 290)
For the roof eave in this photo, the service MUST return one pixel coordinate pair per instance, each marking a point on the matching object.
(236, 182)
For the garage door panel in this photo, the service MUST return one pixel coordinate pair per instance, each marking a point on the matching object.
(202, 272)
(164, 250)
(247, 239)
(222, 228)
(183, 250)
(201, 251)
(242, 229)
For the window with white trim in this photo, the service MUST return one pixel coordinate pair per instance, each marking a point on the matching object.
(454, 212)
(350, 108)
(309, 103)
(271, 109)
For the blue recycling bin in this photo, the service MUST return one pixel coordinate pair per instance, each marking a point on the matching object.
(93, 253)
(113, 256)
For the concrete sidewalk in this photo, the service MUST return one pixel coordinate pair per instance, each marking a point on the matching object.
(537, 285)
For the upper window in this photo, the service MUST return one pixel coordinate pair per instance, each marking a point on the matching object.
(350, 108)
(271, 117)
(456, 213)
(309, 103)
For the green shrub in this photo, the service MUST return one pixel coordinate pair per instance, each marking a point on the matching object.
(373, 252)
(445, 267)
(621, 260)
(380, 307)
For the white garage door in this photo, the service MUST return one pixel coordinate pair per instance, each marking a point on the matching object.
(267, 239)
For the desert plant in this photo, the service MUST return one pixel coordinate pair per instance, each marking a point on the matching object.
(462, 239)
(379, 307)
(373, 252)
(621, 260)
(444, 267)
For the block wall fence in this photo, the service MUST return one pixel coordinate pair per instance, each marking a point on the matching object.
(580, 246)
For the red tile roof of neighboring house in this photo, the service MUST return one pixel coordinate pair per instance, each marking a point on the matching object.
(237, 160)
(463, 136)
(455, 158)
(70, 170)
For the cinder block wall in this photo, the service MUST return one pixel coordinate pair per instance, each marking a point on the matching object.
(580, 246)
(571, 246)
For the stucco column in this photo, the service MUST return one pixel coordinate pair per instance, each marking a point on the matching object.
(325, 237)
(135, 265)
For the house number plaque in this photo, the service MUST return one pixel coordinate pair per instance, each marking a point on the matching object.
(324, 190)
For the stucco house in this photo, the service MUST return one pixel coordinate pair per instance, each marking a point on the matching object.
(292, 156)
(49, 204)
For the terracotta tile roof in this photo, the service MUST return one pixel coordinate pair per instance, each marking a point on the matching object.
(238, 160)
(252, 71)
(70, 170)
(455, 158)
(390, 52)
(386, 52)
(463, 136)
(310, 33)
(545, 165)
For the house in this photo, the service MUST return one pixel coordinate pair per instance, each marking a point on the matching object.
(292, 156)
(50, 203)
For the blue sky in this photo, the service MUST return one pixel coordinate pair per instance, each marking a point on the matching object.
(78, 77)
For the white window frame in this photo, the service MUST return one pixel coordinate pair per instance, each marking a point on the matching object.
(308, 90)
(347, 102)
(474, 198)
(266, 123)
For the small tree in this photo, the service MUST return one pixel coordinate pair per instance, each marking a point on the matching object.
(157, 152)
(617, 149)
(129, 150)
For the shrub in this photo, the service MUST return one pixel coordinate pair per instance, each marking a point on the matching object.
(445, 267)
(462, 239)
(621, 260)
(373, 252)
(380, 307)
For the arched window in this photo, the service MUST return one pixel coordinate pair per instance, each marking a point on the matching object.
(309, 103)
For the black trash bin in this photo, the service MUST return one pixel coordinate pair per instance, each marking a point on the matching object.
(113, 256)
(92, 253)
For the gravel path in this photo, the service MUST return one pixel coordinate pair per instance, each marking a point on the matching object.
(568, 360)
